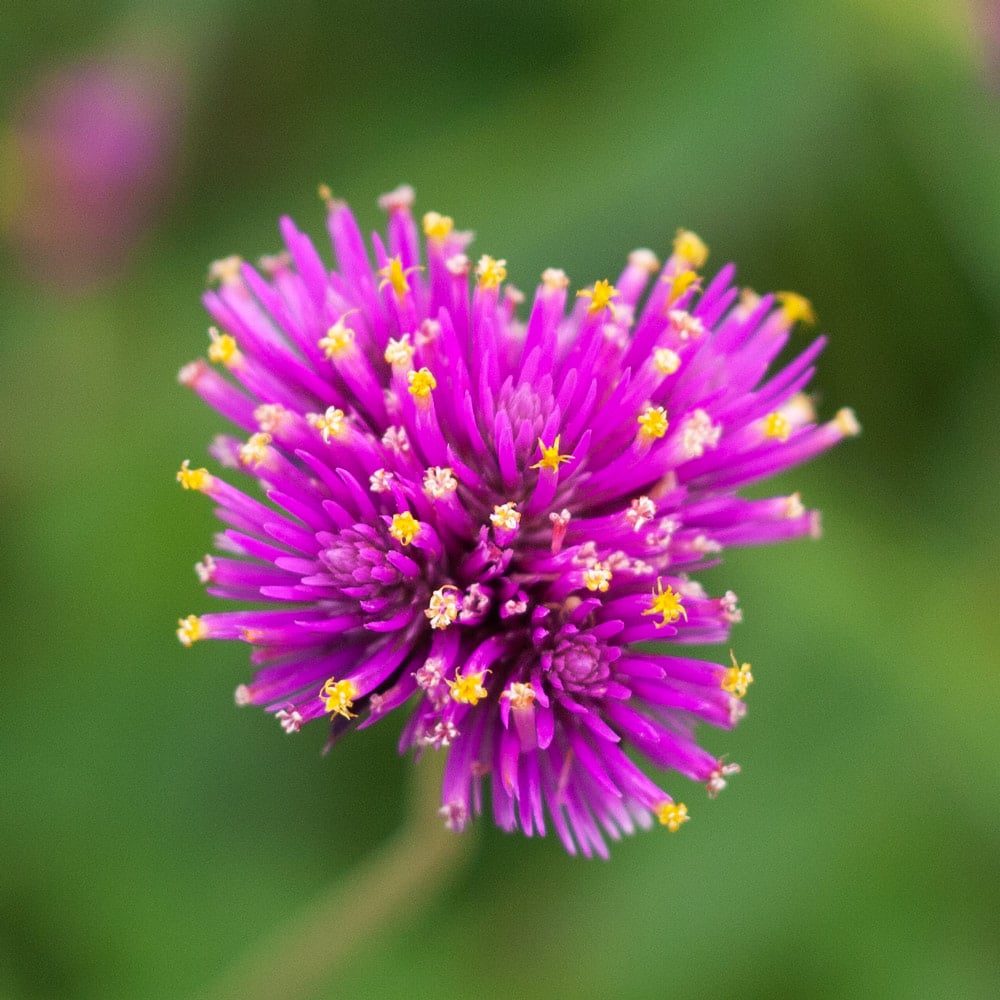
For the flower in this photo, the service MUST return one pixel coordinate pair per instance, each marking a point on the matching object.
(488, 519)
(94, 146)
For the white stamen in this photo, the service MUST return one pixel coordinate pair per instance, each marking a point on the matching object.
(396, 440)
(641, 511)
(698, 433)
(442, 735)
(554, 278)
(439, 482)
(454, 815)
(291, 721)
(458, 265)
(205, 569)
(686, 326)
(730, 608)
(379, 481)
(401, 197)
(717, 779)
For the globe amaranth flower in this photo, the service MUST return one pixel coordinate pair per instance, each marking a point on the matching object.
(488, 518)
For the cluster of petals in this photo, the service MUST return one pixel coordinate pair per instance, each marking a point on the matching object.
(493, 520)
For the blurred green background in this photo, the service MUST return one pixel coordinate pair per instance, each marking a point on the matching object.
(849, 150)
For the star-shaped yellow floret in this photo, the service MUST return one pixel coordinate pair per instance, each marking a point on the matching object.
(339, 697)
(667, 603)
(797, 308)
(737, 678)
(395, 275)
(468, 690)
(600, 297)
(679, 283)
(551, 459)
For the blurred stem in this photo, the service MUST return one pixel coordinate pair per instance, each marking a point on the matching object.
(397, 880)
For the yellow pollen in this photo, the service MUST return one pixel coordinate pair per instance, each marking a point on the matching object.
(776, 425)
(690, 248)
(680, 283)
(338, 339)
(667, 361)
(737, 677)
(468, 690)
(191, 630)
(506, 516)
(666, 603)
(653, 423)
(520, 694)
(394, 275)
(797, 308)
(251, 635)
(490, 271)
(339, 697)
(223, 350)
(551, 459)
(597, 578)
(194, 479)
(329, 424)
(442, 609)
(255, 450)
(422, 383)
(600, 297)
(437, 226)
(404, 527)
(672, 815)
(399, 352)
(325, 194)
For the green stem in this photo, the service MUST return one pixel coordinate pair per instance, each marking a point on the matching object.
(403, 875)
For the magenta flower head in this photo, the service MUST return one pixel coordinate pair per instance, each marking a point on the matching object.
(493, 520)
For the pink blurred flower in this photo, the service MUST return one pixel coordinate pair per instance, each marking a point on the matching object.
(94, 147)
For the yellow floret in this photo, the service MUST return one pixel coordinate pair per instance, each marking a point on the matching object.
(672, 815)
(404, 527)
